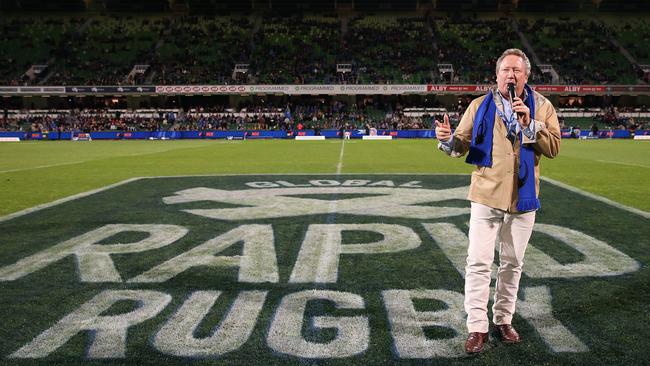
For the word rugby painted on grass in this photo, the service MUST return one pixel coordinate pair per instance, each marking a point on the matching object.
(298, 267)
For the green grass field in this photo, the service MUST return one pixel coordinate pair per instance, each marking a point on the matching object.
(34, 173)
(299, 253)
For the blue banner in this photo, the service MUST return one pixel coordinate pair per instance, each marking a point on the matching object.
(607, 134)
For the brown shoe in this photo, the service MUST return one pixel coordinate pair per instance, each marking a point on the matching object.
(475, 342)
(508, 334)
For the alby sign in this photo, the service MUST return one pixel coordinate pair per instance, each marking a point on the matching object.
(317, 263)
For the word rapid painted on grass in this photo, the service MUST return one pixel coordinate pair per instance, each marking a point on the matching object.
(317, 262)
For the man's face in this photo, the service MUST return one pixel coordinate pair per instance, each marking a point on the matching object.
(512, 70)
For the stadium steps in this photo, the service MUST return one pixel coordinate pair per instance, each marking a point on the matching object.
(47, 76)
(628, 56)
(152, 75)
(345, 22)
(618, 45)
(149, 79)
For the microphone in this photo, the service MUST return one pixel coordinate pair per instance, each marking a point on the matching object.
(513, 94)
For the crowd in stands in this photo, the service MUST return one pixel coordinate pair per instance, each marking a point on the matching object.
(592, 60)
(370, 45)
(95, 50)
(295, 50)
(92, 123)
(613, 118)
(196, 50)
(328, 115)
(635, 38)
(332, 115)
(472, 46)
(27, 41)
(105, 51)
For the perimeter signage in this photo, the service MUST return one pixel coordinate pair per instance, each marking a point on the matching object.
(315, 89)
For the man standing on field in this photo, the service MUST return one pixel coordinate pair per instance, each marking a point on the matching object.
(505, 133)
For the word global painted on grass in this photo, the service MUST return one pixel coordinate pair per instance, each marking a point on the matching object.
(317, 262)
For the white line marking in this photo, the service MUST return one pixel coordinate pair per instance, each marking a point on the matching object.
(623, 163)
(339, 166)
(98, 158)
(43, 166)
(88, 193)
(325, 258)
(66, 199)
(597, 198)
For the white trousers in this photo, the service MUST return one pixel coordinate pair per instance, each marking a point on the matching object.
(512, 231)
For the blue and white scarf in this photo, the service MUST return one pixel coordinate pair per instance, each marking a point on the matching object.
(480, 150)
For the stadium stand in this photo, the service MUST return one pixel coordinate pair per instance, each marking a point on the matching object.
(555, 43)
(330, 114)
(215, 46)
(295, 50)
(472, 46)
(633, 34)
(370, 41)
(407, 47)
(105, 50)
(37, 40)
(261, 42)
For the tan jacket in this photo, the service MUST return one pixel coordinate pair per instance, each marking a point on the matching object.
(496, 187)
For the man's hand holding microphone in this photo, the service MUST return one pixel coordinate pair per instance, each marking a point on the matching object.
(518, 106)
(443, 130)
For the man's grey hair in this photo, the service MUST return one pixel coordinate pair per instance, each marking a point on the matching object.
(516, 52)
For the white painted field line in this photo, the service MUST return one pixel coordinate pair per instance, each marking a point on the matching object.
(324, 261)
(66, 199)
(43, 166)
(623, 163)
(597, 198)
(85, 161)
(339, 166)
